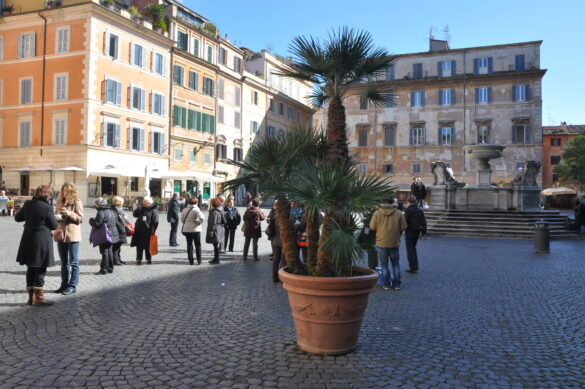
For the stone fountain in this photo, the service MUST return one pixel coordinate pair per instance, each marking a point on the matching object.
(482, 153)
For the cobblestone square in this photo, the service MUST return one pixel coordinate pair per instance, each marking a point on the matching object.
(480, 314)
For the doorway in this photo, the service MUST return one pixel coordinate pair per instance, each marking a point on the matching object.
(192, 187)
(109, 186)
(155, 187)
(24, 183)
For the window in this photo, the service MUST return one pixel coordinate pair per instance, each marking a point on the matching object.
(362, 168)
(192, 156)
(237, 93)
(281, 133)
(222, 56)
(220, 89)
(391, 100)
(158, 63)
(291, 113)
(62, 39)
(388, 169)
(207, 159)
(196, 47)
(24, 133)
(271, 105)
(446, 96)
(61, 81)
(446, 136)
(237, 119)
(362, 137)
(555, 159)
(363, 102)
(112, 45)
(193, 119)
(111, 134)
(158, 104)
(270, 131)
(193, 80)
(220, 114)
(26, 90)
(520, 92)
(208, 123)
(182, 40)
(60, 131)
(519, 64)
(520, 133)
(178, 154)
(208, 86)
(179, 116)
(210, 54)
(254, 127)
(416, 168)
(446, 68)
(178, 74)
(113, 92)
(555, 141)
(417, 99)
(281, 108)
(134, 184)
(389, 135)
(220, 152)
(238, 64)
(157, 142)
(138, 55)
(417, 70)
(136, 139)
(238, 154)
(483, 65)
(298, 116)
(483, 95)
(254, 97)
(390, 73)
(417, 136)
(26, 45)
(137, 98)
(483, 132)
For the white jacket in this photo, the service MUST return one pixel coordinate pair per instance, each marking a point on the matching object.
(192, 219)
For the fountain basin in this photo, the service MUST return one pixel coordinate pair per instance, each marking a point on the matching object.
(483, 153)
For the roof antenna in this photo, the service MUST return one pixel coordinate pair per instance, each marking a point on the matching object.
(447, 35)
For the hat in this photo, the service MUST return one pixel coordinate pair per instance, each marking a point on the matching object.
(101, 202)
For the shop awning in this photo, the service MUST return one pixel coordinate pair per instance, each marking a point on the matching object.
(48, 168)
(194, 175)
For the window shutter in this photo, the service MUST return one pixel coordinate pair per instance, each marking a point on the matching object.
(204, 122)
(212, 123)
(527, 92)
(129, 97)
(162, 143)
(183, 117)
(514, 96)
(104, 90)
(162, 105)
(440, 69)
(141, 139)
(514, 135)
(476, 67)
(190, 119)
(142, 99)
(440, 96)
(151, 104)
(198, 116)
(452, 96)
(411, 138)
(476, 95)
(453, 68)
(527, 133)
(439, 136)
(422, 99)
(33, 46)
(118, 93)
(117, 136)
(489, 92)
(490, 65)
(424, 142)
(211, 88)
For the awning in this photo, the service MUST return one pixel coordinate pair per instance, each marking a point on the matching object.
(558, 191)
(194, 175)
(48, 168)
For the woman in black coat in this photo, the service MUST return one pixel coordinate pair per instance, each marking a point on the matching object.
(146, 224)
(36, 245)
(215, 229)
(106, 216)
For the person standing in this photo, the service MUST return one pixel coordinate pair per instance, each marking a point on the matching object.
(121, 221)
(70, 215)
(580, 216)
(3, 202)
(276, 243)
(146, 224)
(215, 229)
(173, 212)
(367, 239)
(105, 216)
(192, 219)
(418, 191)
(252, 228)
(232, 221)
(416, 227)
(36, 244)
(199, 200)
(220, 197)
(388, 222)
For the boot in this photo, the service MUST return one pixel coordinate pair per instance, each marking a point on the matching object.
(39, 296)
(198, 254)
(30, 290)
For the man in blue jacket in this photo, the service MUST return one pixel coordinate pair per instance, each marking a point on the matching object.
(173, 212)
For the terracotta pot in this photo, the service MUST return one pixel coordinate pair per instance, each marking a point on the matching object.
(328, 311)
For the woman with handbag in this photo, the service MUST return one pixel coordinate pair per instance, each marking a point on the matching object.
(215, 229)
(105, 217)
(146, 224)
(252, 228)
(68, 235)
(192, 219)
(121, 225)
(232, 220)
(36, 245)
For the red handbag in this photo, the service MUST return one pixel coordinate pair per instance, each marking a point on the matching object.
(129, 227)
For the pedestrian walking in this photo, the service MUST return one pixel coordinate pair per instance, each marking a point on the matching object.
(36, 244)
(232, 221)
(69, 216)
(192, 219)
(418, 191)
(173, 214)
(221, 208)
(146, 224)
(121, 222)
(215, 229)
(106, 216)
(416, 228)
(388, 222)
(199, 200)
(252, 228)
(273, 232)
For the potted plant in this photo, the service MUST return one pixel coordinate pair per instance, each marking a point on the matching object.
(210, 28)
(157, 12)
(134, 13)
(328, 294)
(109, 3)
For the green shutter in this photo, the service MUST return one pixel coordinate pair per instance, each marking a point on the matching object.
(190, 119)
(183, 117)
(198, 114)
(205, 129)
(211, 123)
(175, 115)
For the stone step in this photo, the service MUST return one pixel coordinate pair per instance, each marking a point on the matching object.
(564, 235)
(489, 219)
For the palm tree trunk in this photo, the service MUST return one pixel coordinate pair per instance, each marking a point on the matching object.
(337, 144)
(312, 239)
(288, 236)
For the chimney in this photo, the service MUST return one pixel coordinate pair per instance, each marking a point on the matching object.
(438, 45)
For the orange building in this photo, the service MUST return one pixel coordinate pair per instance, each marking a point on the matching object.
(555, 139)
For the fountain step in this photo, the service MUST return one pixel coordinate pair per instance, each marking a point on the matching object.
(566, 235)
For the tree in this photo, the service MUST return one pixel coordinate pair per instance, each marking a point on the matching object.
(572, 166)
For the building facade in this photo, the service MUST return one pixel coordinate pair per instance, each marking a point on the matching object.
(555, 139)
(445, 99)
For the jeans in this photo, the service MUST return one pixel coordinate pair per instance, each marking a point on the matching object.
(372, 258)
(391, 278)
(107, 263)
(411, 237)
(230, 234)
(254, 247)
(193, 237)
(173, 236)
(35, 276)
(69, 255)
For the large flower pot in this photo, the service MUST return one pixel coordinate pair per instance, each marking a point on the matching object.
(328, 311)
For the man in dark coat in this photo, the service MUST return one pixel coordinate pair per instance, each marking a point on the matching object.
(580, 215)
(215, 229)
(173, 213)
(418, 191)
(252, 231)
(36, 245)
(416, 227)
(146, 224)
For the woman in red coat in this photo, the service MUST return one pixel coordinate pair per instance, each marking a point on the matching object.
(252, 231)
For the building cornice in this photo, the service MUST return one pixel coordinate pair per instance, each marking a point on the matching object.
(467, 49)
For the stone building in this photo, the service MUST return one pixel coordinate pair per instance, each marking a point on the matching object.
(447, 98)
(555, 139)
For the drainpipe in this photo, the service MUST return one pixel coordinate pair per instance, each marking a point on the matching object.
(464, 106)
(43, 81)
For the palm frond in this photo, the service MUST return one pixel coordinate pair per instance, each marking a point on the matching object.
(342, 247)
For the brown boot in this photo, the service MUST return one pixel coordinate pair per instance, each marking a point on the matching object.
(39, 296)
(30, 291)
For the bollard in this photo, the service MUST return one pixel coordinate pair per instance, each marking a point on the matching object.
(541, 237)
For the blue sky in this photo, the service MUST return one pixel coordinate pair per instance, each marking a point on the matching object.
(403, 27)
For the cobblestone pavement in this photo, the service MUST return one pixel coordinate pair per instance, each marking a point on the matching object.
(480, 314)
